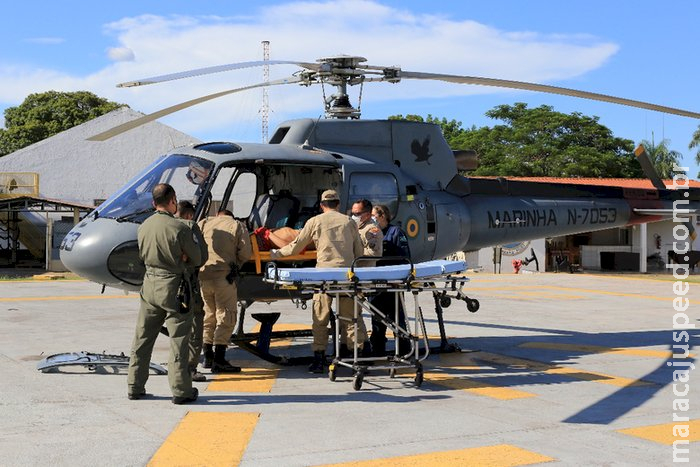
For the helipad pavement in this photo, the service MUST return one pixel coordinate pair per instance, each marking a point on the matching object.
(565, 369)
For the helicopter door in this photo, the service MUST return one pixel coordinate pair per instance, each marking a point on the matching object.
(233, 189)
(449, 219)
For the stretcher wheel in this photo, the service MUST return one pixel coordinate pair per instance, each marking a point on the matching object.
(331, 372)
(419, 377)
(357, 382)
(445, 302)
(473, 305)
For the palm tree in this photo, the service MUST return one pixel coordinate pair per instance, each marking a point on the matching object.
(695, 143)
(663, 158)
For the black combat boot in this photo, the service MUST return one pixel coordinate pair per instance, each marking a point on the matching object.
(208, 355)
(220, 364)
(317, 365)
(197, 376)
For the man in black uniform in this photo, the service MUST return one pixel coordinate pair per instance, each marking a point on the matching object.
(167, 248)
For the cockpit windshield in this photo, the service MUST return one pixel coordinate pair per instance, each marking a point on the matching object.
(187, 174)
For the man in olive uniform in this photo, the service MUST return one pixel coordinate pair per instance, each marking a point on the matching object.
(167, 247)
(185, 212)
(337, 245)
(229, 247)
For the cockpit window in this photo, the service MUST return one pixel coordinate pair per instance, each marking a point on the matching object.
(187, 174)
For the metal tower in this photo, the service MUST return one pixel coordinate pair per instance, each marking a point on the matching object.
(264, 111)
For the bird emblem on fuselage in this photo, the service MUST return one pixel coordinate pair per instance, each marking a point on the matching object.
(421, 150)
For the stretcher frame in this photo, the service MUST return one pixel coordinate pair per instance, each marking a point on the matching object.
(360, 283)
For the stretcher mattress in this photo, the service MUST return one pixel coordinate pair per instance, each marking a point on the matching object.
(399, 272)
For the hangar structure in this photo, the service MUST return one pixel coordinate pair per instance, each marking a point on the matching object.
(47, 186)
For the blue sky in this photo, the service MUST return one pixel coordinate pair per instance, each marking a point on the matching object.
(643, 50)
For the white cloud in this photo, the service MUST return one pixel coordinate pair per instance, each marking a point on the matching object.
(120, 54)
(151, 45)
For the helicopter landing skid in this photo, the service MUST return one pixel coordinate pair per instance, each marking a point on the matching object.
(443, 300)
(258, 343)
(92, 361)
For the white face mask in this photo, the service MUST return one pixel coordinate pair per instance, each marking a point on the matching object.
(356, 219)
(374, 219)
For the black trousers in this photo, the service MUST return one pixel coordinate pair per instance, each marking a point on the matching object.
(385, 302)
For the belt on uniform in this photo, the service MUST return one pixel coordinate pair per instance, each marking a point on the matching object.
(162, 273)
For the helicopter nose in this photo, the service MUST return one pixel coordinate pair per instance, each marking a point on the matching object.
(104, 251)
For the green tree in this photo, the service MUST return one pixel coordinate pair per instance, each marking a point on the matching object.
(541, 142)
(451, 129)
(44, 114)
(695, 143)
(662, 157)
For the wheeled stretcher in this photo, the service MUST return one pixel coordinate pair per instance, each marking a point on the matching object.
(360, 283)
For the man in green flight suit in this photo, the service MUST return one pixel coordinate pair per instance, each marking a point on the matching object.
(167, 248)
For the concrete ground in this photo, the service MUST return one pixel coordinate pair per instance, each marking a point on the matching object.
(565, 369)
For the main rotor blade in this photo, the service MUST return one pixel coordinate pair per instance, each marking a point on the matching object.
(502, 83)
(214, 69)
(119, 129)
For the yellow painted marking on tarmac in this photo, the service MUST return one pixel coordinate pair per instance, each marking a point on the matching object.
(207, 438)
(283, 327)
(501, 455)
(624, 278)
(251, 379)
(600, 349)
(618, 381)
(571, 372)
(668, 298)
(473, 386)
(507, 296)
(557, 296)
(66, 297)
(256, 376)
(663, 434)
(531, 288)
(463, 362)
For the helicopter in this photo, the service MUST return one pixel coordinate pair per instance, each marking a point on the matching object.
(407, 166)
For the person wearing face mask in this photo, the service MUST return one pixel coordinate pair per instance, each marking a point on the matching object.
(395, 243)
(371, 237)
(370, 233)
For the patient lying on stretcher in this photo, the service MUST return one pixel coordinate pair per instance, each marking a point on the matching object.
(277, 238)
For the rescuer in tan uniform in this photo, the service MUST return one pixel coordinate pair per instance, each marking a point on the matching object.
(337, 245)
(229, 247)
(370, 233)
(185, 212)
(167, 248)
